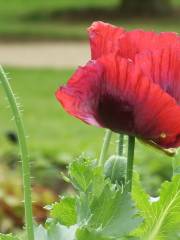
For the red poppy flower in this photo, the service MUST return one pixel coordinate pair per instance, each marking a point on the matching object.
(131, 85)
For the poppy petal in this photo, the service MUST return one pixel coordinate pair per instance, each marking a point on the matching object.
(104, 38)
(113, 92)
(142, 106)
(138, 41)
(162, 67)
(79, 95)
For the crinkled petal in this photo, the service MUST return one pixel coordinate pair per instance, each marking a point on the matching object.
(79, 96)
(163, 67)
(106, 38)
(138, 41)
(113, 92)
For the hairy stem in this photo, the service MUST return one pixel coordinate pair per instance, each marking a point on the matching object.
(105, 146)
(130, 160)
(24, 154)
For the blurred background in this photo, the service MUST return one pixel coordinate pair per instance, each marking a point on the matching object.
(41, 44)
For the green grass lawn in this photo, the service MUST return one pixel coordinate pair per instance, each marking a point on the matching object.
(53, 134)
(49, 129)
(74, 31)
(13, 26)
(16, 8)
(12, 9)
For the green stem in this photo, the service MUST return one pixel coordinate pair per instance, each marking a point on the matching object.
(131, 146)
(24, 154)
(176, 164)
(105, 146)
(120, 144)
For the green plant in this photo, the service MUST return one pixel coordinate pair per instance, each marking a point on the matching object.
(102, 208)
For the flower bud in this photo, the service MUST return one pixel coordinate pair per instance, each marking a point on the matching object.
(115, 169)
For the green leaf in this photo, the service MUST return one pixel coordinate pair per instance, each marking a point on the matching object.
(55, 232)
(89, 181)
(113, 213)
(83, 209)
(8, 237)
(84, 234)
(86, 176)
(65, 211)
(141, 198)
(161, 218)
(81, 174)
(60, 232)
(41, 233)
(103, 208)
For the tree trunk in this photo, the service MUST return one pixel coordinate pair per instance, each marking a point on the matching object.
(145, 7)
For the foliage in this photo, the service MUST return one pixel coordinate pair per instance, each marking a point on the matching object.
(8, 237)
(64, 211)
(56, 232)
(161, 218)
(103, 210)
(148, 7)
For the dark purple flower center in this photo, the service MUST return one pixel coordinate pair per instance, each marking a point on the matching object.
(115, 114)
